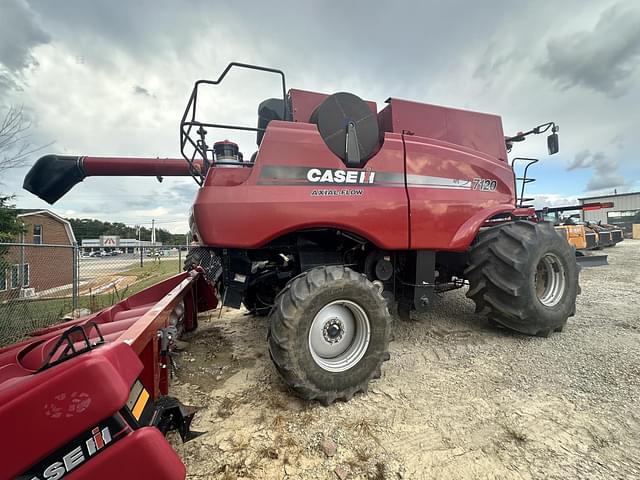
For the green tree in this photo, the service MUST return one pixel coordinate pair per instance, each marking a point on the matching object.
(91, 228)
(10, 226)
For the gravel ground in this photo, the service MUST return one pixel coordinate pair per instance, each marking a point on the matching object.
(458, 399)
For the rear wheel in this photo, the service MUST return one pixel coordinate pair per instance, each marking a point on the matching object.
(524, 276)
(329, 333)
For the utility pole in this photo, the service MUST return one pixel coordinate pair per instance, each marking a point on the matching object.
(139, 228)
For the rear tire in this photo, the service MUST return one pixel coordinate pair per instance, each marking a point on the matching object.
(329, 333)
(524, 276)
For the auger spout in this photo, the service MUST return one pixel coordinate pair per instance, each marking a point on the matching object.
(53, 176)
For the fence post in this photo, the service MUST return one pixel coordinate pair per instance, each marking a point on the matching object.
(179, 258)
(75, 274)
(141, 256)
(21, 268)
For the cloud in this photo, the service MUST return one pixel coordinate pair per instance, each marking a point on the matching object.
(603, 59)
(20, 32)
(493, 62)
(606, 169)
(606, 180)
(109, 84)
(542, 200)
(598, 161)
(138, 90)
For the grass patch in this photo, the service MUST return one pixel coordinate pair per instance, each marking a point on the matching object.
(153, 268)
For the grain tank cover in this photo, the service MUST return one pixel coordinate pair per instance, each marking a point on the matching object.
(478, 131)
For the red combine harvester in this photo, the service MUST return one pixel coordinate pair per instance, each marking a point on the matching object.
(342, 212)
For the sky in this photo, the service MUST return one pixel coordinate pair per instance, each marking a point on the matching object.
(111, 77)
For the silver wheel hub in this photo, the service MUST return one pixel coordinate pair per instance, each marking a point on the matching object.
(333, 331)
(339, 335)
(550, 280)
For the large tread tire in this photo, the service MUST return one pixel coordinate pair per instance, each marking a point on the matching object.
(205, 258)
(502, 277)
(290, 320)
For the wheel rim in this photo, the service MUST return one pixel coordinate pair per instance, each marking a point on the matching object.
(550, 281)
(339, 335)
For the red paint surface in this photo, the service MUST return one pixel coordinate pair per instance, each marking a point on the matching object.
(448, 219)
(135, 166)
(61, 402)
(249, 215)
(234, 212)
(143, 454)
(481, 132)
(45, 411)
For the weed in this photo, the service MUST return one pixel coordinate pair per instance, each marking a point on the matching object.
(225, 409)
(515, 434)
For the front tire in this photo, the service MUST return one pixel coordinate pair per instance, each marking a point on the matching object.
(524, 276)
(329, 333)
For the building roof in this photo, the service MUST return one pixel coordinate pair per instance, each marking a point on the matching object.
(27, 212)
(609, 196)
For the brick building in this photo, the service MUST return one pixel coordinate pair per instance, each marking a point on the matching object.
(45, 260)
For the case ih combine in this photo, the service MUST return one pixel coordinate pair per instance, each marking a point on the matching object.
(342, 212)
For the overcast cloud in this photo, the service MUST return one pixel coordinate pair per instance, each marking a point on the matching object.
(112, 77)
(604, 58)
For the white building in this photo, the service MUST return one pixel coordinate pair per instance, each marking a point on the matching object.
(114, 242)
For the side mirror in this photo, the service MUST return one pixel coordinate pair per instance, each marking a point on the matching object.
(553, 143)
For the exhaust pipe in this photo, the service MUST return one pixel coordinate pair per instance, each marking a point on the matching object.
(53, 176)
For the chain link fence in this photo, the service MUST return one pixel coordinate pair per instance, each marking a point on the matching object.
(41, 285)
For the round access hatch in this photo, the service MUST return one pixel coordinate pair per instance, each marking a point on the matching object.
(334, 114)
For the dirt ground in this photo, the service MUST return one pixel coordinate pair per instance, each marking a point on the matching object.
(458, 399)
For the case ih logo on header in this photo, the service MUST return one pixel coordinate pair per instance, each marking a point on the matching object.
(60, 464)
(100, 439)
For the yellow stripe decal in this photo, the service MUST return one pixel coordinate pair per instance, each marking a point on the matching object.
(140, 403)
